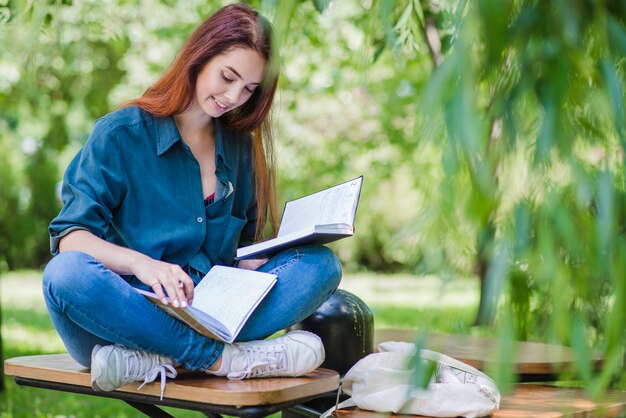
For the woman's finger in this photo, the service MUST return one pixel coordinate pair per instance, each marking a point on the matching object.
(184, 286)
(158, 289)
(187, 286)
(175, 287)
(172, 291)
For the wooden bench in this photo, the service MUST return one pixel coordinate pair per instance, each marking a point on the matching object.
(194, 391)
(253, 398)
(526, 400)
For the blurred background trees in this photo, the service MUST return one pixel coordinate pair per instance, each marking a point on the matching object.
(491, 135)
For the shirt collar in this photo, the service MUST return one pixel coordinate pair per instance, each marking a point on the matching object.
(167, 135)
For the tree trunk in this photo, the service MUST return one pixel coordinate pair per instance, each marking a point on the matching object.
(486, 306)
(487, 303)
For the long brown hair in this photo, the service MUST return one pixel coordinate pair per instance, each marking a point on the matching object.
(235, 25)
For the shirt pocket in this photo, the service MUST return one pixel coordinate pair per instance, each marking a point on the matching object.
(225, 249)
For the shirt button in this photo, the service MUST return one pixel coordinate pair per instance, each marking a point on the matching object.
(199, 219)
(218, 169)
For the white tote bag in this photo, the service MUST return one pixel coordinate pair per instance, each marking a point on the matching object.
(382, 382)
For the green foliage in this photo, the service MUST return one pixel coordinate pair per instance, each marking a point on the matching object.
(45, 100)
(531, 95)
(9, 204)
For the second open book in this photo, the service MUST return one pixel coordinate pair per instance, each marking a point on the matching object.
(223, 301)
(318, 218)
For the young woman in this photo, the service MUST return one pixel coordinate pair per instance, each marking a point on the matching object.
(166, 187)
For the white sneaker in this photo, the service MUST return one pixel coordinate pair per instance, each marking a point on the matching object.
(294, 354)
(113, 366)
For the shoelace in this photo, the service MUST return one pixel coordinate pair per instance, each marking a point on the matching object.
(165, 370)
(148, 367)
(261, 362)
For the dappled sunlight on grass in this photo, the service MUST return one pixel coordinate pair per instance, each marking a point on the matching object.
(423, 292)
(453, 320)
(26, 325)
(417, 302)
(25, 338)
(23, 290)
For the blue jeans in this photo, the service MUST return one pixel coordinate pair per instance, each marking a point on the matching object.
(90, 305)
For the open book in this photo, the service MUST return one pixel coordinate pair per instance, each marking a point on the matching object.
(318, 218)
(222, 302)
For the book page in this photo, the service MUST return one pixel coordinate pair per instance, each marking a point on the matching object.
(230, 294)
(335, 205)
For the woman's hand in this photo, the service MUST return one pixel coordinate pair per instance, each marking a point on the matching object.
(252, 263)
(165, 279)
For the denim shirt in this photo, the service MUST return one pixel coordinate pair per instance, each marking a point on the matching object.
(135, 183)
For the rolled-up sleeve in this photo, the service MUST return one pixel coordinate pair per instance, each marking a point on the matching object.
(93, 187)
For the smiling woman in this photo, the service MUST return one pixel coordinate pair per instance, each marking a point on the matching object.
(165, 188)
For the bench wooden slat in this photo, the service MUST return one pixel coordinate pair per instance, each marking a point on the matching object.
(196, 387)
(539, 401)
(551, 401)
(530, 358)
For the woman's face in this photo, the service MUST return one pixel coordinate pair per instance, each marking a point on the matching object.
(228, 80)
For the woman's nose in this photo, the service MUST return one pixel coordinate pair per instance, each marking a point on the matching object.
(233, 95)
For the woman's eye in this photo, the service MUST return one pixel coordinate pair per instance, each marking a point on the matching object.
(250, 90)
(226, 79)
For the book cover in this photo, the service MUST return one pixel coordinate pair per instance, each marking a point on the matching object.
(318, 218)
(223, 301)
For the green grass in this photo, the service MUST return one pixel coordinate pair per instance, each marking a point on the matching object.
(405, 301)
(396, 302)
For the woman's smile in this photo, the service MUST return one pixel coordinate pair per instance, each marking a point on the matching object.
(219, 105)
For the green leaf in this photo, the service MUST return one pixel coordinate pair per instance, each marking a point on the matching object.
(423, 370)
(321, 5)
(404, 17)
(419, 11)
(497, 272)
(385, 8)
(545, 140)
(616, 94)
(523, 229)
(378, 51)
(580, 346)
(606, 225)
(502, 369)
(617, 36)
